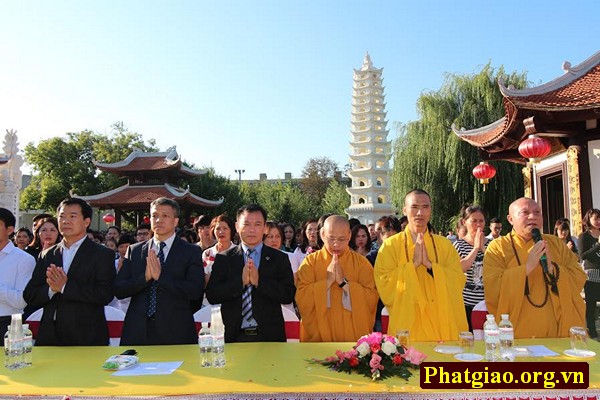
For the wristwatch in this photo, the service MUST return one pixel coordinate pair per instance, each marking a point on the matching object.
(344, 282)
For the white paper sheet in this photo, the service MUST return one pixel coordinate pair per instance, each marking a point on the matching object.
(151, 368)
(538, 351)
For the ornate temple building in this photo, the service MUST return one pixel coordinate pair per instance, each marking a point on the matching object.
(564, 112)
(370, 149)
(149, 176)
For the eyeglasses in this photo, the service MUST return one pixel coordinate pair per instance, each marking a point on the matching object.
(336, 240)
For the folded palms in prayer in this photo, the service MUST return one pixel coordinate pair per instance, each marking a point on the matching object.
(420, 255)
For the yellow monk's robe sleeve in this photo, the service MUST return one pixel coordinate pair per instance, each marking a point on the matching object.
(503, 278)
(430, 307)
(323, 322)
(363, 293)
(570, 284)
(311, 290)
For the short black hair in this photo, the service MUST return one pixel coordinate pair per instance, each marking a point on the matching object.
(418, 192)
(251, 208)
(142, 226)
(86, 209)
(495, 220)
(7, 217)
(164, 201)
(124, 239)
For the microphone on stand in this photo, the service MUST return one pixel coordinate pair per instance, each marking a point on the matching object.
(537, 236)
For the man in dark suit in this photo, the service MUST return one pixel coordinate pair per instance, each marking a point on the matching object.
(163, 276)
(252, 281)
(72, 281)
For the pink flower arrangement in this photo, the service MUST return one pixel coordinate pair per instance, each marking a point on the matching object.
(377, 356)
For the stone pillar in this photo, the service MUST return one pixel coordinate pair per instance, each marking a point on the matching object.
(10, 174)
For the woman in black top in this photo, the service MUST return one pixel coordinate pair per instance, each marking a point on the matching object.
(589, 251)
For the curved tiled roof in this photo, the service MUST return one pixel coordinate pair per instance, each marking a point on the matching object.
(137, 197)
(578, 89)
(139, 161)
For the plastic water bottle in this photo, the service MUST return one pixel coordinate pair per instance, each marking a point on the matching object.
(6, 358)
(217, 330)
(205, 343)
(491, 335)
(14, 352)
(27, 346)
(507, 337)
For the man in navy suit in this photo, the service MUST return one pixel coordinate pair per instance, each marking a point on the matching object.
(72, 281)
(251, 282)
(163, 276)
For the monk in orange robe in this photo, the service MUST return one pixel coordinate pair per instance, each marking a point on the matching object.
(336, 292)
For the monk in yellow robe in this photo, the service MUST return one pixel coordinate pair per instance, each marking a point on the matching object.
(336, 293)
(419, 278)
(539, 303)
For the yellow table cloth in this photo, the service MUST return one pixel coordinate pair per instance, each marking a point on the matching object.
(269, 369)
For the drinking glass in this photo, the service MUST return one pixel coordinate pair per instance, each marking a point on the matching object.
(466, 341)
(403, 336)
(579, 338)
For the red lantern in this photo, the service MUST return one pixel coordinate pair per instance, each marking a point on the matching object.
(484, 172)
(146, 219)
(535, 148)
(108, 218)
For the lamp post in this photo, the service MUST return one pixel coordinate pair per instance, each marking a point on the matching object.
(240, 172)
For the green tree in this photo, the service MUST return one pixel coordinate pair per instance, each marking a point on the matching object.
(213, 186)
(428, 155)
(318, 172)
(65, 165)
(336, 199)
(284, 201)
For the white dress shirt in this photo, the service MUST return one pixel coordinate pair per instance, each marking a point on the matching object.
(16, 267)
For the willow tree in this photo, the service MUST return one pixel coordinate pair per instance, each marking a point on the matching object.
(428, 155)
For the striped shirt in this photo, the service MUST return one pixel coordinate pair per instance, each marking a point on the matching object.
(473, 290)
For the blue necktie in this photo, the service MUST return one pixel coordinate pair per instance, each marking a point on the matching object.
(153, 286)
(247, 298)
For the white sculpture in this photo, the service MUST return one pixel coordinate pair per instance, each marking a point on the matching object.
(10, 174)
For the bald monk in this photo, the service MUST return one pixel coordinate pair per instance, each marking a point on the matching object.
(336, 292)
(540, 304)
(420, 279)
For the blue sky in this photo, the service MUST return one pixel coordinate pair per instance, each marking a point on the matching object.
(259, 85)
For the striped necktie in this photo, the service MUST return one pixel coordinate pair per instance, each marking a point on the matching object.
(151, 310)
(247, 298)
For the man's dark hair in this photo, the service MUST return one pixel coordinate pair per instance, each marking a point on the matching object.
(202, 220)
(495, 220)
(7, 217)
(417, 191)
(125, 239)
(86, 209)
(251, 208)
(163, 201)
(142, 226)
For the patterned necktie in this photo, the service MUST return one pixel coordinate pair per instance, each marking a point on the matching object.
(247, 298)
(153, 286)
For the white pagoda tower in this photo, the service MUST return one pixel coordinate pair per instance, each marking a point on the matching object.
(370, 149)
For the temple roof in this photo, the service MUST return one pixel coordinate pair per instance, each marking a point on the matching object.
(367, 65)
(136, 197)
(557, 108)
(142, 162)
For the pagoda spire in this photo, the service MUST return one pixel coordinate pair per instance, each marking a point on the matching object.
(370, 149)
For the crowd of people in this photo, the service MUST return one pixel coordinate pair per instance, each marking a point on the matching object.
(336, 273)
